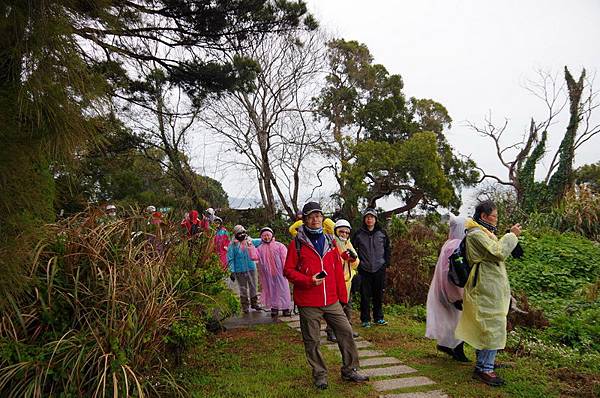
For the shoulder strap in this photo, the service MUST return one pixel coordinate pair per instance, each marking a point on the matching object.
(298, 244)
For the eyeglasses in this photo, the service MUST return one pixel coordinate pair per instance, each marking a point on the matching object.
(314, 216)
(343, 232)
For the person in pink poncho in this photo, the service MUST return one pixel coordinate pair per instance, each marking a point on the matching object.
(275, 288)
(444, 300)
(221, 241)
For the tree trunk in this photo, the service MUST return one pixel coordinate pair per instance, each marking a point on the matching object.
(562, 180)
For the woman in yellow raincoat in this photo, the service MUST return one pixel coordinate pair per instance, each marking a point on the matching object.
(350, 262)
(487, 292)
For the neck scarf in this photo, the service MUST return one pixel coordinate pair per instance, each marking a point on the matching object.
(486, 225)
(314, 231)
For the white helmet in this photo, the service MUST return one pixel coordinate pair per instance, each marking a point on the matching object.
(111, 207)
(150, 209)
(210, 211)
(342, 223)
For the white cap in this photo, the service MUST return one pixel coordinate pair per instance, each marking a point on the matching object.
(111, 207)
(342, 223)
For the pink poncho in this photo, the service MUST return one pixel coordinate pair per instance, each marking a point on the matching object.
(275, 288)
(442, 316)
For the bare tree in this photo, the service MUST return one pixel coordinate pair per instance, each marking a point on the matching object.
(162, 119)
(270, 126)
(520, 158)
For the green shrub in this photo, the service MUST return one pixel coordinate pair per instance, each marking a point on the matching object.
(107, 309)
(414, 255)
(559, 274)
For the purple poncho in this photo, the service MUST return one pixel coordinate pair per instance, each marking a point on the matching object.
(275, 288)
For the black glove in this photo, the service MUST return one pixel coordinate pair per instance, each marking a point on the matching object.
(232, 277)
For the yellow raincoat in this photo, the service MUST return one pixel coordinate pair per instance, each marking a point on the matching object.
(349, 267)
(485, 306)
(328, 226)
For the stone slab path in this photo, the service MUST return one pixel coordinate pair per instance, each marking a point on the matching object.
(428, 394)
(390, 375)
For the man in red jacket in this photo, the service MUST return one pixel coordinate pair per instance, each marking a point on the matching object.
(314, 266)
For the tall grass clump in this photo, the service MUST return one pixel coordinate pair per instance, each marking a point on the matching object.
(578, 212)
(107, 311)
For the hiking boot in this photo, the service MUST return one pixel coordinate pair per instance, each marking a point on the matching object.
(489, 378)
(331, 336)
(286, 313)
(321, 385)
(381, 322)
(355, 377)
(366, 324)
(458, 353)
(274, 312)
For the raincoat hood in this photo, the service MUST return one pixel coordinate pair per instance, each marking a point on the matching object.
(456, 228)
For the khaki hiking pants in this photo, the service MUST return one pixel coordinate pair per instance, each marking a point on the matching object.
(310, 326)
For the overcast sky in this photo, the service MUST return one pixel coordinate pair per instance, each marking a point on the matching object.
(473, 56)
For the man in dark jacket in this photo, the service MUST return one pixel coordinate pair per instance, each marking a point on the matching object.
(314, 266)
(373, 247)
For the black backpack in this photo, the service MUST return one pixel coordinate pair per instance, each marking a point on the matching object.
(459, 267)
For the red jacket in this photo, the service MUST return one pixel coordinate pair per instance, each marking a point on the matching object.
(299, 271)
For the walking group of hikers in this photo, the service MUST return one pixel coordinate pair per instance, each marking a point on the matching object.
(323, 263)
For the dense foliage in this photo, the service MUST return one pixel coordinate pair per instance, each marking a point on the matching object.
(560, 274)
(382, 144)
(415, 248)
(109, 308)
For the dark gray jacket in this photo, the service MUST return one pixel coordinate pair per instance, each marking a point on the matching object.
(373, 248)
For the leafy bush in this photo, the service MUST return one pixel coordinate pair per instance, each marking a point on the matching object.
(105, 311)
(414, 255)
(559, 273)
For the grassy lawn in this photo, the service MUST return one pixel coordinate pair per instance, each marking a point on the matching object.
(269, 361)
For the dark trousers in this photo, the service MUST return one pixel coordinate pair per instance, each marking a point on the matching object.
(372, 285)
(310, 326)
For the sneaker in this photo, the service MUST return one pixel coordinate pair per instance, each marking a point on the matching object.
(489, 378)
(355, 377)
(381, 322)
(366, 324)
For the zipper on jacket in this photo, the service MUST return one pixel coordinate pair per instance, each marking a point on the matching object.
(324, 287)
(322, 269)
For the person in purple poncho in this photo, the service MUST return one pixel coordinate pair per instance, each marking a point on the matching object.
(444, 300)
(275, 288)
